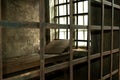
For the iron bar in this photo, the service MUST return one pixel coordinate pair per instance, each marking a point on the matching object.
(71, 38)
(76, 24)
(1, 63)
(42, 39)
(67, 19)
(58, 20)
(111, 64)
(55, 21)
(109, 4)
(9, 24)
(88, 38)
(119, 50)
(102, 40)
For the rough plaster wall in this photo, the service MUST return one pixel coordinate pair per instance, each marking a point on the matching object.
(20, 42)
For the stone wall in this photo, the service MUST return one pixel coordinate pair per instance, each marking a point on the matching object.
(20, 41)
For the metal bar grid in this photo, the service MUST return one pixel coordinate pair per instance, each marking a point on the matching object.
(62, 65)
(42, 32)
(108, 75)
(109, 4)
(88, 38)
(42, 39)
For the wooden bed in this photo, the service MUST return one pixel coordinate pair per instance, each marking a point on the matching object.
(22, 63)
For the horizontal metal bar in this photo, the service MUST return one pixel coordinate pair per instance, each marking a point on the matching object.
(69, 2)
(25, 76)
(77, 14)
(35, 73)
(81, 40)
(109, 4)
(19, 24)
(50, 25)
(108, 75)
(104, 28)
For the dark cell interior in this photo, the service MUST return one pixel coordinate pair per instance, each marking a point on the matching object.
(59, 39)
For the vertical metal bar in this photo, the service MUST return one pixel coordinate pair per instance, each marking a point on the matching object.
(54, 17)
(83, 22)
(119, 46)
(58, 18)
(77, 24)
(42, 38)
(1, 73)
(111, 64)
(88, 37)
(71, 39)
(66, 19)
(102, 40)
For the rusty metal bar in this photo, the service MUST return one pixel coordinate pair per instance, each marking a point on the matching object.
(1, 66)
(42, 38)
(111, 64)
(88, 38)
(71, 39)
(102, 40)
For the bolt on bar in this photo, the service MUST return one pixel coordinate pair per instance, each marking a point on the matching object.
(71, 39)
(88, 38)
(102, 40)
(42, 38)
(111, 66)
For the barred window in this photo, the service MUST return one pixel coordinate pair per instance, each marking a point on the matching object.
(62, 16)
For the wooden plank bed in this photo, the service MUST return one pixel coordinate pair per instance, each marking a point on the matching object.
(27, 62)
